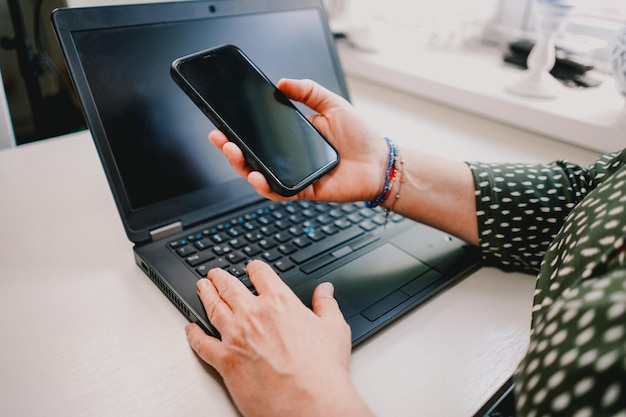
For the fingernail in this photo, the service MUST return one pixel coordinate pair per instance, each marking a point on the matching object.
(202, 284)
(327, 289)
(188, 329)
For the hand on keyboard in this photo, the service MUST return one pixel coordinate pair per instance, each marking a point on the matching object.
(277, 357)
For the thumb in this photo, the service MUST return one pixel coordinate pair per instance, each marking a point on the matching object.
(310, 94)
(323, 302)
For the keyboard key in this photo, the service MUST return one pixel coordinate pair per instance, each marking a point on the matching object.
(267, 244)
(237, 271)
(368, 225)
(202, 244)
(315, 235)
(296, 218)
(178, 243)
(194, 237)
(318, 263)
(220, 250)
(296, 230)
(335, 213)
(365, 212)
(302, 242)
(342, 223)
(282, 224)
(361, 242)
(248, 226)
(324, 245)
(203, 270)
(379, 219)
(309, 213)
(235, 257)
(218, 263)
(237, 221)
(282, 237)
(287, 248)
(251, 250)
(199, 258)
(283, 265)
(237, 243)
(269, 230)
(324, 219)
(322, 207)
(234, 232)
(218, 238)
(355, 218)
(271, 255)
(185, 251)
(329, 229)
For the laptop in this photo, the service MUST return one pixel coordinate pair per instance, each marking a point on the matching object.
(181, 204)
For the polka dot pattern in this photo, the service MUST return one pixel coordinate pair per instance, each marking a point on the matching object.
(567, 224)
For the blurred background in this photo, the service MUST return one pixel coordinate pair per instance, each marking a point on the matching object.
(42, 103)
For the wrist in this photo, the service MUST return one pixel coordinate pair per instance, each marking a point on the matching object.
(392, 184)
(389, 178)
(341, 400)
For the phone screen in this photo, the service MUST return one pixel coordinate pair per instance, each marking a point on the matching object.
(253, 113)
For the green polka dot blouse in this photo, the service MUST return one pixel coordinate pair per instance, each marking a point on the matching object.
(567, 224)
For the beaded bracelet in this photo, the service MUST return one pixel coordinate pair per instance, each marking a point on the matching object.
(390, 176)
(400, 182)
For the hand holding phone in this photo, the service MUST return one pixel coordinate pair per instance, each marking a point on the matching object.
(275, 138)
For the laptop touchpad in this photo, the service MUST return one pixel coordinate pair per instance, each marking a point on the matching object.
(376, 274)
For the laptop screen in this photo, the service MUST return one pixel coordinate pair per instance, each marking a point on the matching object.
(165, 168)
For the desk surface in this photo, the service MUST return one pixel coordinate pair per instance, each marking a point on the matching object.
(86, 333)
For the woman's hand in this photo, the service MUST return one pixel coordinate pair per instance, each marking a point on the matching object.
(363, 152)
(277, 357)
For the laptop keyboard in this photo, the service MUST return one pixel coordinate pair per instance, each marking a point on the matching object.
(299, 234)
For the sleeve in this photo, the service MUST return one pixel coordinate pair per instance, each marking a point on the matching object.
(576, 361)
(521, 207)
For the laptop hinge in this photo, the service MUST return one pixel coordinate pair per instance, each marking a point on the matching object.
(166, 231)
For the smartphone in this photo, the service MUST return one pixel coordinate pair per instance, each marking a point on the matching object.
(274, 136)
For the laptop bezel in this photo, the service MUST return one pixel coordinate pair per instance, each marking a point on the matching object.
(187, 209)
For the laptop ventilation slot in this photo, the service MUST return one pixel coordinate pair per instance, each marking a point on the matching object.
(168, 291)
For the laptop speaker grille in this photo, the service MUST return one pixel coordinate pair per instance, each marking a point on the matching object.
(167, 291)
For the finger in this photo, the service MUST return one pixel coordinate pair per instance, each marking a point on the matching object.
(311, 94)
(236, 159)
(205, 346)
(265, 279)
(218, 138)
(218, 312)
(231, 291)
(238, 163)
(261, 186)
(231, 151)
(324, 303)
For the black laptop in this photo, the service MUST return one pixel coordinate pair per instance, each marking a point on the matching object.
(182, 205)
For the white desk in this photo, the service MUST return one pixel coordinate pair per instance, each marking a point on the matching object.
(86, 333)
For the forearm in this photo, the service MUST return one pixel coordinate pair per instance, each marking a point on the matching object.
(306, 395)
(437, 192)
